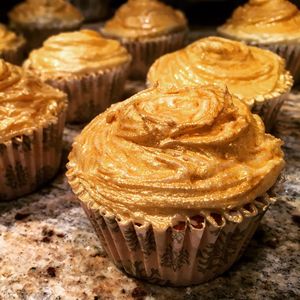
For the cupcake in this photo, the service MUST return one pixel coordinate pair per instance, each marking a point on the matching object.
(39, 19)
(256, 76)
(91, 69)
(92, 10)
(148, 29)
(32, 120)
(11, 46)
(268, 24)
(174, 181)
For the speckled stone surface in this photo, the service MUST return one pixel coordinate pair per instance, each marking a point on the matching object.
(48, 249)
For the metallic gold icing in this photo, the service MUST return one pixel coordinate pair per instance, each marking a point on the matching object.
(167, 152)
(264, 21)
(144, 18)
(46, 12)
(25, 102)
(9, 40)
(76, 53)
(247, 71)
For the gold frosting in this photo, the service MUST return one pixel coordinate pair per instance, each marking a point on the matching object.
(46, 12)
(264, 21)
(167, 152)
(77, 52)
(25, 102)
(9, 40)
(144, 18)
(247, 71)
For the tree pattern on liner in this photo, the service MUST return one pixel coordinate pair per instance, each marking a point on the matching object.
(175, 259)
(218, 254)
(17, 176)
(50, 137)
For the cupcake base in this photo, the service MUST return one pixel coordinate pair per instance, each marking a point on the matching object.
(35, 36)
(190, 252)
(268, 110)
(92, 10)
(14, 56)
(29, 161)
(91, 94)
(145, 52)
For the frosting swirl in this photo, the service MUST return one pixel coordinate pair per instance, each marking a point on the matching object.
(77, 52)
(25, 102)
(247, 71)
(144, 18)
(264, 21)
(46, 12)
(9, 40)
(174, 151)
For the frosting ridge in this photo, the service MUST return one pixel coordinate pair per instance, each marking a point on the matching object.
(25, 102)
(43, 12)
(174, 151)
(77, 52)
(247, 71)
(145, 18)
(264, 21)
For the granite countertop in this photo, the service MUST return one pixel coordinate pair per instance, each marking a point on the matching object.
(48, 249)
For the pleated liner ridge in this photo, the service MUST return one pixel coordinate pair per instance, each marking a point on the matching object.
(192, 251)
(28, 161)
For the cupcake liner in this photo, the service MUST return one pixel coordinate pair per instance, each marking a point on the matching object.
(92, 10)
(28, 161)
(92, 93)
(14, 56)
(192, 251)
(145, 52)
(268, 106)
(269, 110)
(35, 36)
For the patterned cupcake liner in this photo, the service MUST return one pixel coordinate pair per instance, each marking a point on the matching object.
(15, 56)
(194, 250)
(35, 36)
(30, 160)
(92, 10)
(145, 52)
(91, 94)
(269, 110)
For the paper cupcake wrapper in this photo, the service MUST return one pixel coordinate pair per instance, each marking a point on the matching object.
(14, 56)
(91, 94)
(35, 36)
(92, 10)
(145, 52)
(269, 110)
(28, 161)
(190, 252)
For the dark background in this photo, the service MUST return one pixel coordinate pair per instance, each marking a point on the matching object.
(199, 12)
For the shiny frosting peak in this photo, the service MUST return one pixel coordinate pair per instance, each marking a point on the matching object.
(264, 21)
(25, 102)
(77, 52)
(8, 39)
(43, 12)
(247, 71)
(145, 18)
(165, 152)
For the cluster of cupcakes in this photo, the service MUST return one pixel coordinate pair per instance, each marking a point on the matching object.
(175, 178)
